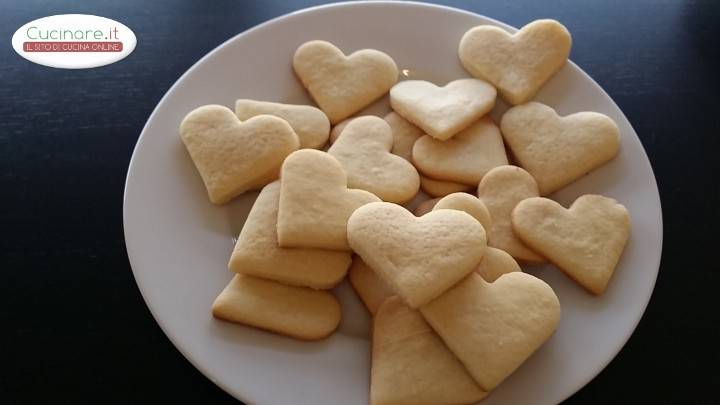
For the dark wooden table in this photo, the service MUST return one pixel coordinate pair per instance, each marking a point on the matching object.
(73, 326)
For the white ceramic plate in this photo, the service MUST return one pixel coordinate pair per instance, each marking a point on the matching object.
(179, 243)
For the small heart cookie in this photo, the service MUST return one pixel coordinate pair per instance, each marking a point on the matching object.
(558, 150)
(363, 150)
(412, 365)
(519, 64)
(466, 157)
(233, 156)
(584, 241)
(257, 253)
(338, 128)
(441, 188)
(426, 206)
(309, 123)
(315, 203)
(368, 286)
(299, 312)
(467, 203)
(494, 327)
(404, 135)
(501, 190)
(495, 263)
(442, 111)
(419, 258)
(343, 85)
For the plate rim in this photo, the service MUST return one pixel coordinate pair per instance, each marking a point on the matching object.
(143, 134)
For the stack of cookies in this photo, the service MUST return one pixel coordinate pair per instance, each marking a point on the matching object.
(454, 314)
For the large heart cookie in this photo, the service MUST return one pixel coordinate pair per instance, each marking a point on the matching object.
(233, 156)
(419, 258)
(315, 203)
(501, 190)
(494, 327)
(363, 150)
(584, 241)
(518, 65)
(558, 150)
(309, 123)
(412, 365)
(299, 312)
(466, 157)
(343, 85)
(257, 252)
(442, 111)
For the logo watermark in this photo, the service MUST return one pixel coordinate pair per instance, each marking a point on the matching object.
(74, 41)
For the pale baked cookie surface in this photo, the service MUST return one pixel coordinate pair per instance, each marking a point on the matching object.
(363, 150)
(298, 312)
(343, 85)
(315, 203)
(494, 327)
(442, 111)
(519, 64)
(309, 123)
(467, 203)
(233, 156)
(466, 157)
(412, 365)
(501, 190)
(441, 188)
(404, 135)
(257, 252)
(338, 128)
(584, 241)
(421, 257)
(371, 289)
(427, 206)
(495, 263)
(558, 150)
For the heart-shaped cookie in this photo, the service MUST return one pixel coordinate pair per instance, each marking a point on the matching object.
(363, 150)
(419, 258)
(426, 206)
(558, 150)
(466, 157)
(368, 285)
(404, 135)
(412, 365)
(494, 327)
(309, 123)
(495, 263)
(299, 312)
(441, 188)
(233, 156)
(315, 203)
(501, 190)
(518, 65)
(584, 241)
(442, 111)
(467, 203)
(338, 128)
(257, 252)
(343, 85)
